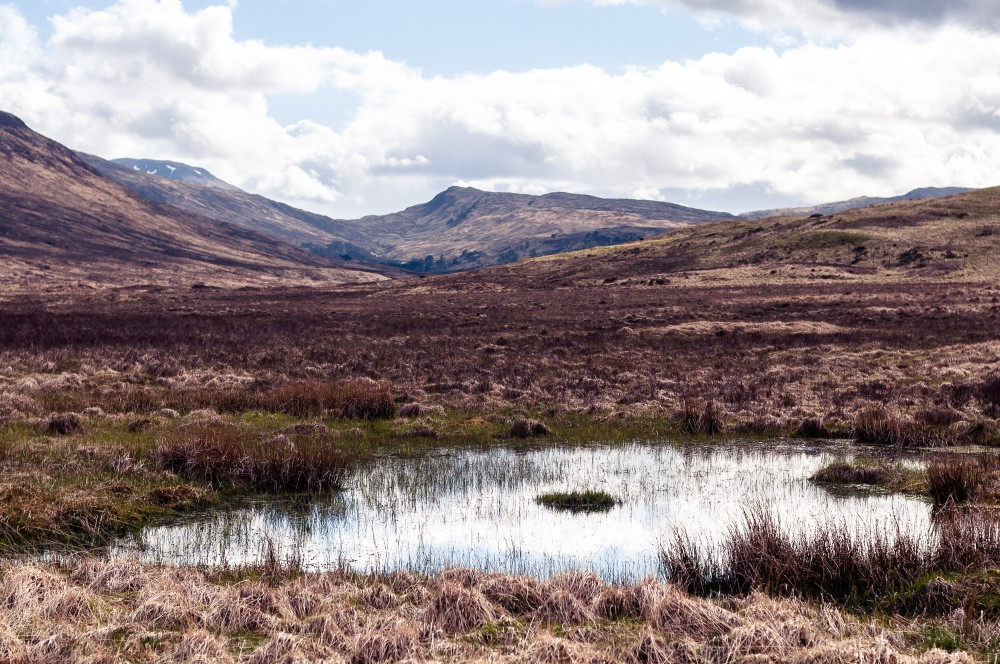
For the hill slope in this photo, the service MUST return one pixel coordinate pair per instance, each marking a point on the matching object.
(862, 201)
(951, 238)
(60, 220)
(226, 203)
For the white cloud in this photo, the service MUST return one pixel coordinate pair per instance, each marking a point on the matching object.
(146, 78)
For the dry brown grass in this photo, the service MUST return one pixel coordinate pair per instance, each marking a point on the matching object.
(772, 355)
(699, 416)
(456, 608)
(104, 612)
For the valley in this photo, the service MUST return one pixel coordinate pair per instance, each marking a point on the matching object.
(191, 411)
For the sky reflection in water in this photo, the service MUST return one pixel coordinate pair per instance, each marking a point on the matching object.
(477, 508)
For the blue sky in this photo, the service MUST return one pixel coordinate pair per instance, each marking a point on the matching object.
(350, 108)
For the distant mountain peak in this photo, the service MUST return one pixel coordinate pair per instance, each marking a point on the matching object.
(175, 170)
(8, 121)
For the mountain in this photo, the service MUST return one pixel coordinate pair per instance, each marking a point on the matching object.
(464, 228)
(61, 220)
(174, 170)
(459, 229)
(862, 201)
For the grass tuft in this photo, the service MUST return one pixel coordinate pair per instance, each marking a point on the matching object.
(700, 417)
(812, 427)
(845, 472)
(867, 570)
(525, 428)
(578, 501)
(65, 424)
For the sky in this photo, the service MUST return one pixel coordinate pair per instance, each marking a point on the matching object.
(352, 108)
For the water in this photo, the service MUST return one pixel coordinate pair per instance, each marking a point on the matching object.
(477, 508)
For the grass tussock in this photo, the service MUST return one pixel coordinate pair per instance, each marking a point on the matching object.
(525, 428)
(878, 424)
(956, 480)
(699, 416)
(813, 427)
(578, 501)
(456, 609)
(65, 424)
(846, 472)
(225, 456)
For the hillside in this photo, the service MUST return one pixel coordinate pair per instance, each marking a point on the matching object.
(460, 229)
(861, 201)
(224, 202)
(61, 221)
(951, 238)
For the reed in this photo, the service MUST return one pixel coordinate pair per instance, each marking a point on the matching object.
(859, 570)
(955, 480)
(699, 416)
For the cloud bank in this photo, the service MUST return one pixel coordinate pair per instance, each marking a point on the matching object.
(146, 78)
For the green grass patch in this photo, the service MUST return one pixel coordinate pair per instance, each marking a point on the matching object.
(892, 477)
(578, 501)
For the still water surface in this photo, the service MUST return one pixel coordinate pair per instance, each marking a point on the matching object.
(477, 508)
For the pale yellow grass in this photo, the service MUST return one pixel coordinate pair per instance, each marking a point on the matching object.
(127, 612)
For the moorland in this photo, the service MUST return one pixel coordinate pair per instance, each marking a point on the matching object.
(125, 403)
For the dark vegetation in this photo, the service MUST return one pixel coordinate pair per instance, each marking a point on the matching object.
(959, 480)
(224, 456)
(878, 569)
(844, 472)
